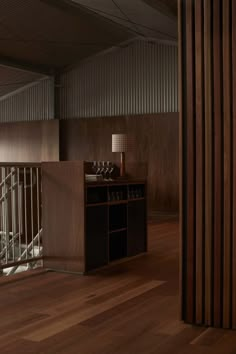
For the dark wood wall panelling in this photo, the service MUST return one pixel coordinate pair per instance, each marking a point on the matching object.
(29, 141)
(155, 142)
(208, 161)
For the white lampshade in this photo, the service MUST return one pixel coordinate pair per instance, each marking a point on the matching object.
(119, 143)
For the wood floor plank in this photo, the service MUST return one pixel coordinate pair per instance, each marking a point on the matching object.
(61, 323)
(129, 308)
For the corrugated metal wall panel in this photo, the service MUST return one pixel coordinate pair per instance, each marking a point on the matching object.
(141, 78)
(34, 102)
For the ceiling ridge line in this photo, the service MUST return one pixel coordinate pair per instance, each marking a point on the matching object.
(122, 45)
(25, 87)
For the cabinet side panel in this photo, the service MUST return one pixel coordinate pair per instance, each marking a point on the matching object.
(63, 215)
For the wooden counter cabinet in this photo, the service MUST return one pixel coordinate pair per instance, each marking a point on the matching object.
(90, 225)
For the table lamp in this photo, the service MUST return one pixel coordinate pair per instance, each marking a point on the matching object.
(120, 144)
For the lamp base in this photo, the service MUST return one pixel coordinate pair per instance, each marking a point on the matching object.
(122, 165)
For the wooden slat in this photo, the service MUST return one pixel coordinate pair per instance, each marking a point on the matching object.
(180, 34)
(217, 80)
(208, 163)
(234, 164)
(190, 164)
(227, 167)
(199, 159)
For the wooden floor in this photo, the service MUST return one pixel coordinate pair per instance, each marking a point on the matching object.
(130, 308)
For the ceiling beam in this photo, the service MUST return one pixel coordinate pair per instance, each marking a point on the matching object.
(168, 8)
(25, 66)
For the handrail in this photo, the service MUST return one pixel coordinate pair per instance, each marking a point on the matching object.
(20, 164)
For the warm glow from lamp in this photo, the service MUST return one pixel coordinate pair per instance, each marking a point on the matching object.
(120, 144)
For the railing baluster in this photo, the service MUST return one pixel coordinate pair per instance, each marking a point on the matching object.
(1, 210)
(12, 210)
(5, 229)
(32, 208)
(19, 201)
(38, 208)
(25, 209)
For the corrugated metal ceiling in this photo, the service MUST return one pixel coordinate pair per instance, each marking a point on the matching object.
(53, 34)
(166, 6)
(45, 36)
(148, 18)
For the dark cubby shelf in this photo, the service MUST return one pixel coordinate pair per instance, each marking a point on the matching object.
(136, 191)
(117, 193)
(96, 195)
(117, 217)
(118, 245)
(116, 222)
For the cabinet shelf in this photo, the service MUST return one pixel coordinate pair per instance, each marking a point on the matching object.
(135, 199)
(118, 202)
(118, 230)
(95, 204)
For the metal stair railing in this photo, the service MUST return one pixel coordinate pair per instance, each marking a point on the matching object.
(20, 217)
(26, 252)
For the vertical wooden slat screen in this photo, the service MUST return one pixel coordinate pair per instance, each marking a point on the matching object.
(218, 158)
(234, 166)
(190, 160)
(227, 80)
(200, 160)
(207, 8)
(207, 54)
(181, 162)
